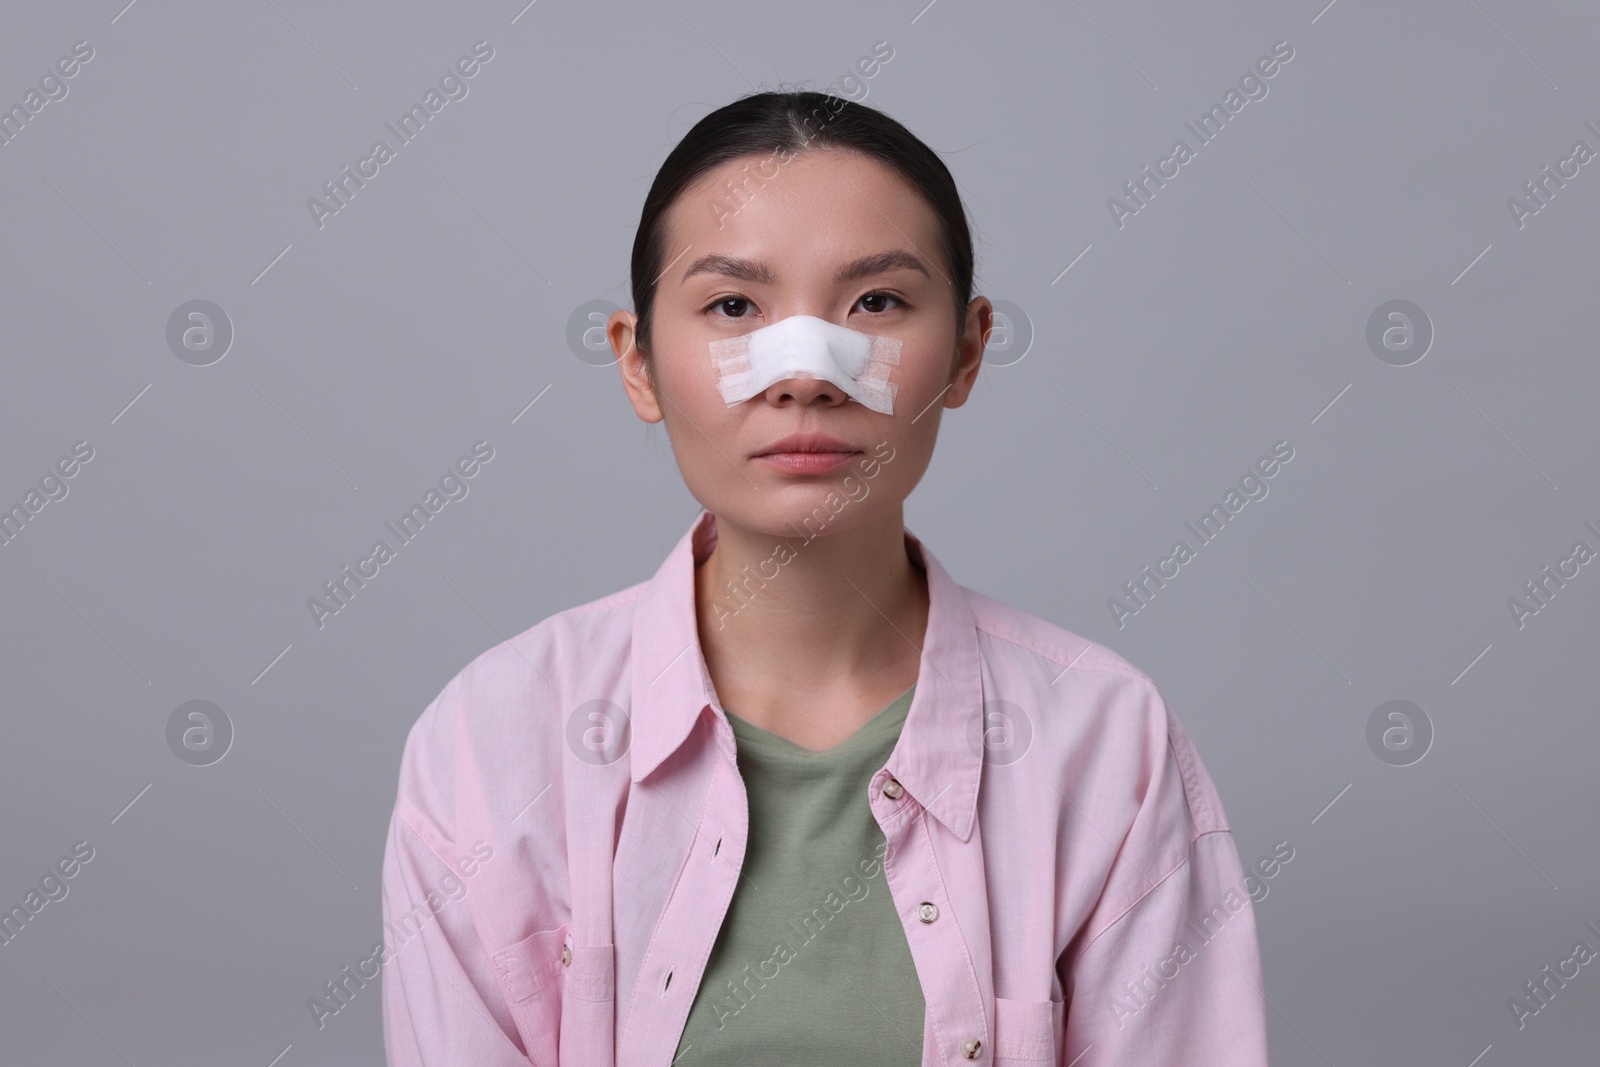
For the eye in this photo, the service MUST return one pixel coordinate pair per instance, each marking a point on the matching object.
(875, 307)
(735, 306)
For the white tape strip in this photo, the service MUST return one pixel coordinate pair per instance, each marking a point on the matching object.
(804, 346)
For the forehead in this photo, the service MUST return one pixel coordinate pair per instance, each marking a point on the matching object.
(823, 205)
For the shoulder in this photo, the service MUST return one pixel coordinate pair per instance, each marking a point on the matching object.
(495, 716)
(1037, 637)
(508, 679)
(1093, 708)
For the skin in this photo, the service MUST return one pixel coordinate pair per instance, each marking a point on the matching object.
(836, 635)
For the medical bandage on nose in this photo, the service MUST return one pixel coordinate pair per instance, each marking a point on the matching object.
(804, 346)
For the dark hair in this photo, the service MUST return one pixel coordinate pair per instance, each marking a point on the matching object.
(790, 122)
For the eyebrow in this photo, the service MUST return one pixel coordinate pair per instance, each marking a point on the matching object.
(750, 270)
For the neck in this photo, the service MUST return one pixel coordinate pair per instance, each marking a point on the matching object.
(789, 620)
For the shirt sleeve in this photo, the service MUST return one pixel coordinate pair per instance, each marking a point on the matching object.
(1167, 972)
(442, 1002)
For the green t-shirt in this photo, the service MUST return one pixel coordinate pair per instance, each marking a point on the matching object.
(811, 964)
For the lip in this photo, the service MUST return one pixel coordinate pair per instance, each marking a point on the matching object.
(808, 453)
(807, 443)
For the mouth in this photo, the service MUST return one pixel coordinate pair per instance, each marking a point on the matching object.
(808, 453)
(819, 444)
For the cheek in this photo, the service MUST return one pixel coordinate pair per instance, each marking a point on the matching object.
(687, 378)
(687, 375)
(923, 370)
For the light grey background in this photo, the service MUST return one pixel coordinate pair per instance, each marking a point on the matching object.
(1230, 313)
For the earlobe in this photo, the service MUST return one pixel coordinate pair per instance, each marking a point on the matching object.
(641, 391)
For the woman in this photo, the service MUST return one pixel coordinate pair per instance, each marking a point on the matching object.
(800, 798)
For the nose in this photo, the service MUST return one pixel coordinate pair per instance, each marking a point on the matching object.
(805, 391)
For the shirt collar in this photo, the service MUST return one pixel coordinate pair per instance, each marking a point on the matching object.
(939, 755)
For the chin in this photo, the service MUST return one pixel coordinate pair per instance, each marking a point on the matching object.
(804, 511)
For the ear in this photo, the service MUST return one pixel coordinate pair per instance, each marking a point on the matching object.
(969, 347)
(621, 331)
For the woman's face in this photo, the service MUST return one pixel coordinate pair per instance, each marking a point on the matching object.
(829, 233)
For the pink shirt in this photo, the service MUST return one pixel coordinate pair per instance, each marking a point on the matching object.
(571, 821)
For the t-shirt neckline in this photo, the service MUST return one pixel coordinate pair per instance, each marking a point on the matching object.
(889, 718)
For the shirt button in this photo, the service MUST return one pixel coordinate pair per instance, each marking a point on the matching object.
(970, 1047)
(927, 911)
(892, 789)
(566, 955)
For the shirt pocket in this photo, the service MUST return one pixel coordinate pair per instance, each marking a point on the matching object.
(1025, 1030)
(531, 975)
